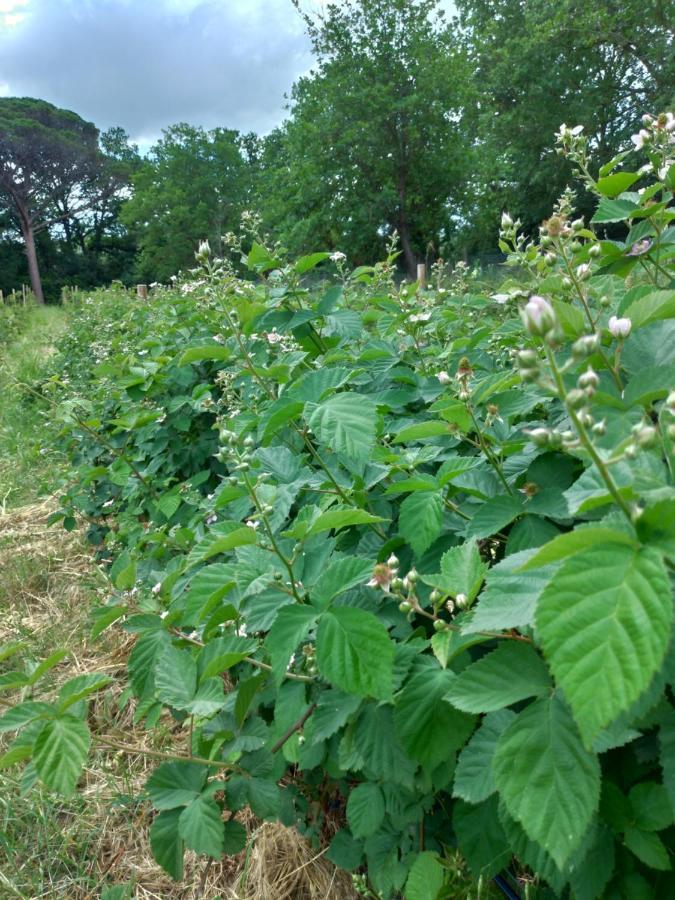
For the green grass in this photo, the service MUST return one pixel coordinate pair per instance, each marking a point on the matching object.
(28, 466)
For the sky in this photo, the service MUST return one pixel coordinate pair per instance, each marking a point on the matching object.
(147, 64)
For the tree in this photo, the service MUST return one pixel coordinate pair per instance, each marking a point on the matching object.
(372, 143)
(193, 185)
(536, 65)
(48, 160)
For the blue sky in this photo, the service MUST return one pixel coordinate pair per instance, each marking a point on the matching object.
(146, 64)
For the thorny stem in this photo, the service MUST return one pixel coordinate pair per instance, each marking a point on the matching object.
(108, 744)
(295, 727)
(587, 442)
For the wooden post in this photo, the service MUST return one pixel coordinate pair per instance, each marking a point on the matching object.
(23, 293)
(142, 291)
(421, 275)
(2, 299)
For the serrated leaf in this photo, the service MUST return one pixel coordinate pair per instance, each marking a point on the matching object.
(60, 751)
(462, 571)
(474, 781)
(651, 806)
(341, 575)
(667, 754)
(201, 827)
(425, 878)
(420, 519)
(175, 784)
(613, 185)
(176, 677)
(512, 672)
(123, 572)
(332, 712)
(573, 542)
(365, 809)
(549, 782)
(422, 430)
(493, 515)
(335, 519)
(213, 351)
(614, 210)
(354, 652)
(429, 729)
(209, 699)
(290, 627)
(510, 596)
(651, 308)
(234, 837)
(648, 847)
(207, 587)
(345, 852)
(166, 843)
(481, 837)
(345, 422)
(79, 687)
(379, 749)
(605, 621)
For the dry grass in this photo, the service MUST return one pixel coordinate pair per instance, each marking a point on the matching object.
(74, 848)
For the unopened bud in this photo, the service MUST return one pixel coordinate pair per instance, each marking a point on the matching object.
(444, 378)
(461, 600)
(435, 596)
(440, 625)
(670, 402)
(404, 606)
(619, 328)
(538, 316)
(585, 345)
(393, 562)
(540, 437)
(583, 271)
(647, 436)
(507, 221)
(600, 427)
(528, 358)
(450, 606)
(577, 224)
(595, 250)
(588, 380)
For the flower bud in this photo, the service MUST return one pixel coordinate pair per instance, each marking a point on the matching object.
(435, 596)
(528, 358)
(507, 221)
(549, 258)
(619, 328)
(600, 427)
(444, 378)
(595, 250)
(577, 224)
(439, 625)
(462, 601)
(540, 437)
(450, 606)
(583, 271)
(585, 345)
(393, 562)
(538, 316)
(404, 606)
(576, 399)
(670, 402)
(647, 436)
(588, 380)
(671, 432)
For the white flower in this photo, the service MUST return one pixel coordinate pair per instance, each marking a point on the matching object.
(273, 337)
(647, 119)
(444, 378)
(619, 328)
(253, 523)
(157, 588)
(338, 256)
(640, 139)
(670, 122)
(538, 316)
(500, 298)
(421, 317)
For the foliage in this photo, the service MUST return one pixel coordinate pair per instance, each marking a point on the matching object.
(193, 185)
(372, 143)
(396, 562)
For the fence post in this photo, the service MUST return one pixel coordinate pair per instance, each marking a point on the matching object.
(422, 275)
(142, 291)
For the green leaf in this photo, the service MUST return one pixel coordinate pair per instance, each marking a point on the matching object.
(651, 308)
(209, 699)
(341, 575)
(175, 784)
(651, 806)
(614, 211)
(429, 728)
(365, 809)
(335, 519)
(512, 672)
(510, 596)
(166, 843)
(422, 430)
(345, 852)
(290, 627)
(420, 519)
(495, 514)
(333, 710)
(214, 544)
(176, 677)
(234, 837)
(345, 422)
(648, 847)
(207, 351)
(549, 782)
(571, 318)
(481, 837)
(60, 751)
(605, 622)
(446, 645)
(474, 781)
(123, 572)
(667, 754)
(201, 827)
(207, 587)
(425, 878)
(462, 571)
(613, 185)
(78, 688)
(573, 542)
(306, 263)
(23, 713)
(354, 652)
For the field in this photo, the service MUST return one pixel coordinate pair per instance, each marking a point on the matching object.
(320, 583)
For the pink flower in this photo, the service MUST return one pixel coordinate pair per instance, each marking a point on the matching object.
(538, 316)
(619, 328)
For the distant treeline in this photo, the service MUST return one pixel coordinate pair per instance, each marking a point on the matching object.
(409, 122)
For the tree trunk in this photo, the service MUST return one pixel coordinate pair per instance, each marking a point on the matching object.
(31, 256)
(404, 228)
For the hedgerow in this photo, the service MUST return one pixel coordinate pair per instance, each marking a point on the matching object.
(397, 561)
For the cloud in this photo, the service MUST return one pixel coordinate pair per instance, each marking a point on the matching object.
(151, 63)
